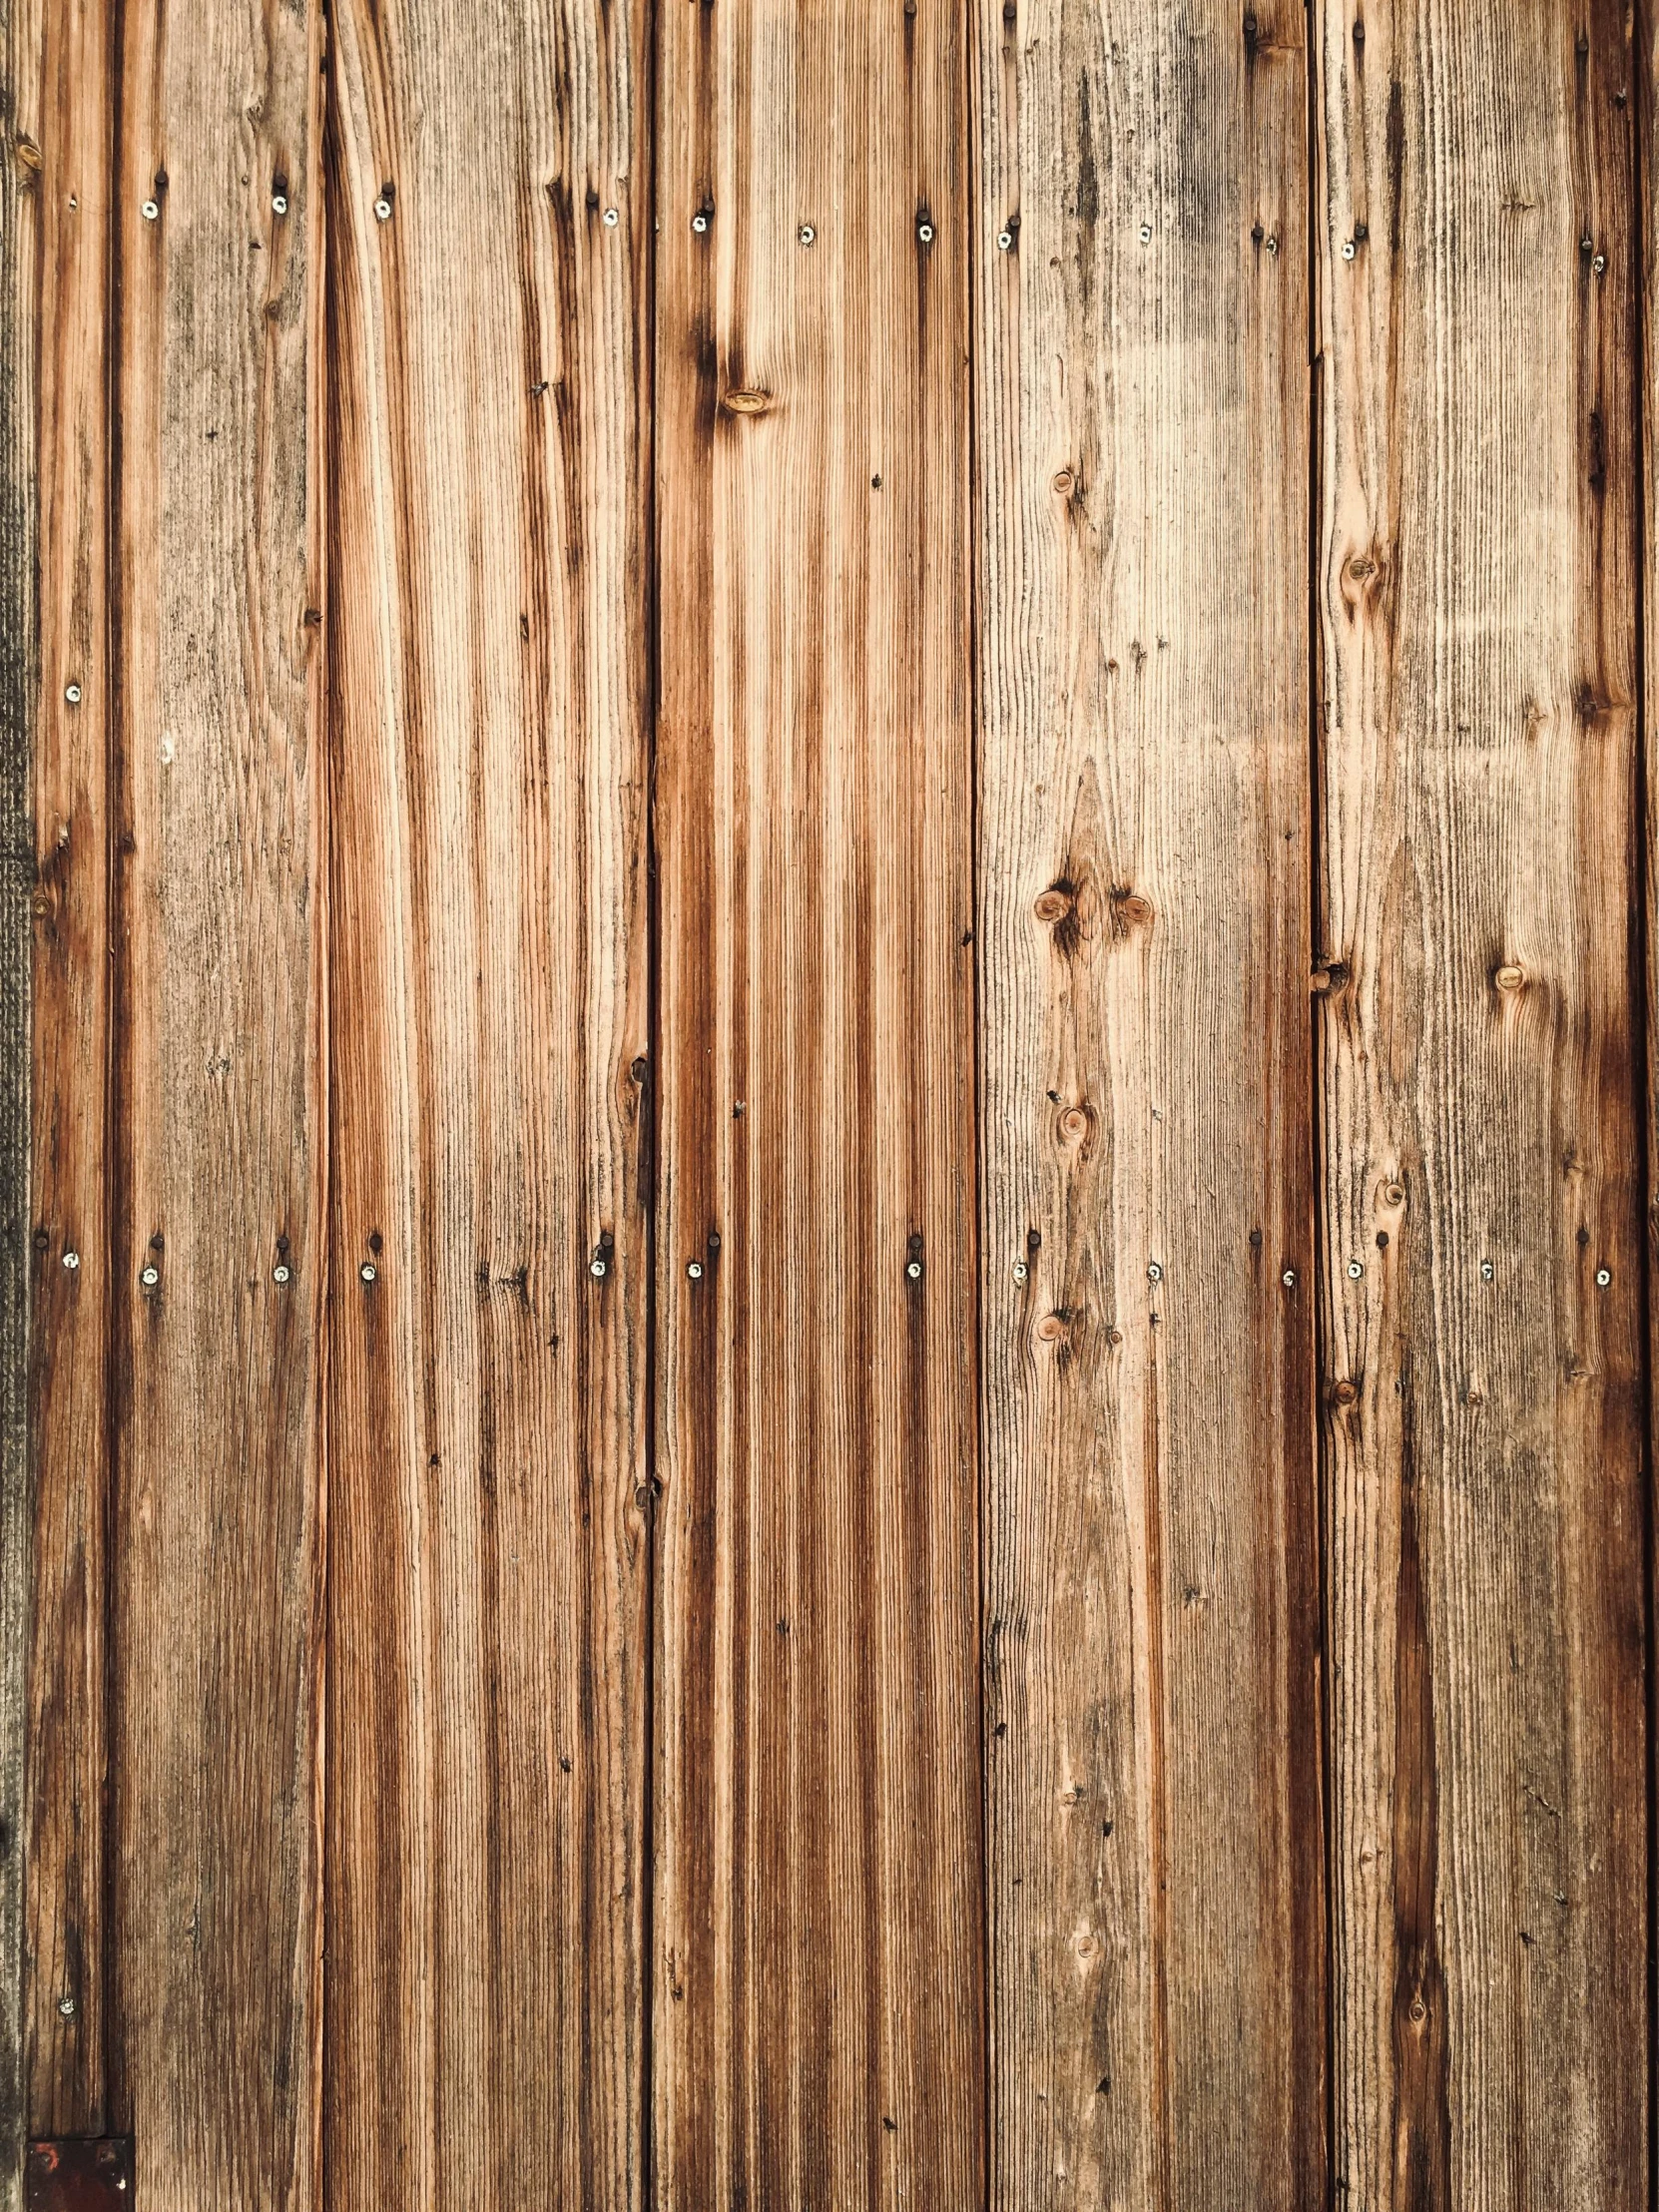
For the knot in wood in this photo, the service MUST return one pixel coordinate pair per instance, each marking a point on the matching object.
(749, 401)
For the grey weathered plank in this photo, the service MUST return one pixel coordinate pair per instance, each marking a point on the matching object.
(1481, 1209)
(1151, 1661)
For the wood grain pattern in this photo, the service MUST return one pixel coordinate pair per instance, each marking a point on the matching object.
(488, 587)
(66, 2016)
(818, 1957)
(215, 1125)
(21, 332)
(1481, 1211)
(1150, 1665)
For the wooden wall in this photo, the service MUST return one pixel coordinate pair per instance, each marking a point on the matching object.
(826, 962)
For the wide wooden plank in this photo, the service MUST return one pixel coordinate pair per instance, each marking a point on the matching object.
(490, 212)
(214, 1131)
(1481, 1210)
(1152, 1692)
(818, 1956)
(22, 53)
(62, 158)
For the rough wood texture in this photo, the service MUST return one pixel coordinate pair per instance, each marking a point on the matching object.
(487, 621)
(818, 1960)
(1151, 1533)
(69, 200)
(21, 163)
(216, 1127)
(1480, 1212)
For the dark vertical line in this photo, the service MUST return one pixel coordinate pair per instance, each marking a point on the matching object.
(1641, 1016)
(647, 135)
(1323, 1749)
(117, 1177)
(972, 165)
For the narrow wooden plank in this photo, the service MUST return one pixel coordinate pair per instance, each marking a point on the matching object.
(1151, 1525)
(22, 53)
(216, 1106)
(819, 1948)
(488, 587)
(1481, 1205)
(67, 2086)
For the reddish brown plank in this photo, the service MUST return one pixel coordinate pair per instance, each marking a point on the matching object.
(486, 627)
(819, 1923)
(65, 116)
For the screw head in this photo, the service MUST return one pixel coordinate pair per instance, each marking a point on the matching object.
(1289, 1279)
(369, 1272)
(924, 232)
(1604, 1276)
(1348, 250)
(1155, 1273)
(1004, 242)
(72, 1260)
(1355, 1271)
(598, 1269)
(1146, 233)
(1599, 264)
(694, 1268)
(806, 235)
(281, 1272)
(913, 1270)
(150, 210)
(279, 203)
(65, 2006)
(610, 218)
(1273, 244)
(382, 210)
(1021, 1272)
(72, 691)
(1487, 1271)
(700, 223)
(150, 1277)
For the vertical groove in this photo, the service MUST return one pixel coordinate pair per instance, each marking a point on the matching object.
(1641, 956)
(1325, 1748)
(116, 1178)
(650, 1135)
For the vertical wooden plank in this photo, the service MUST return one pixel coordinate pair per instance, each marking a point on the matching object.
(1151, 1527)
(1479, 1200)
(489, 218)
(217, 1125)
(819, 1949)
(65, 2031)
(21, 199)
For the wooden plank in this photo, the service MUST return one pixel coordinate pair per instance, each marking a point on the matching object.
(818, 1958)
(66, 2018)
(1152, 1696)
(22, 53)
(488, 569)
(215, 1128)
(1482, 1307)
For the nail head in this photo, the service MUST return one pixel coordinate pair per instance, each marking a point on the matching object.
(72, 691)
(369, 1272)
(1006, 241)
(1604, 1276)
(150, 1277)
(611, 218)
(924, 232)
(1348, 250)
(1155, 1273)
(72, 1260)
(382, 210)
(598, 1269)
(279, 204)
(700, 223)
(806, 235)
(1022, 1271)
(279, 1273)
(694, 1268)
(1289, 1279)
(913, 1270)
(150, 210)
(1355, 1271)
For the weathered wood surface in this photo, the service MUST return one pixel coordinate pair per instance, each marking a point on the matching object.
(1483, 1279)
(1152, 1692)
(63, 101)
(488, 576)
(215, 1151)
(21, 326)
(818, 1921)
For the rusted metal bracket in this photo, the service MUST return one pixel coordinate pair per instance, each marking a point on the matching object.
(79, 2174)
